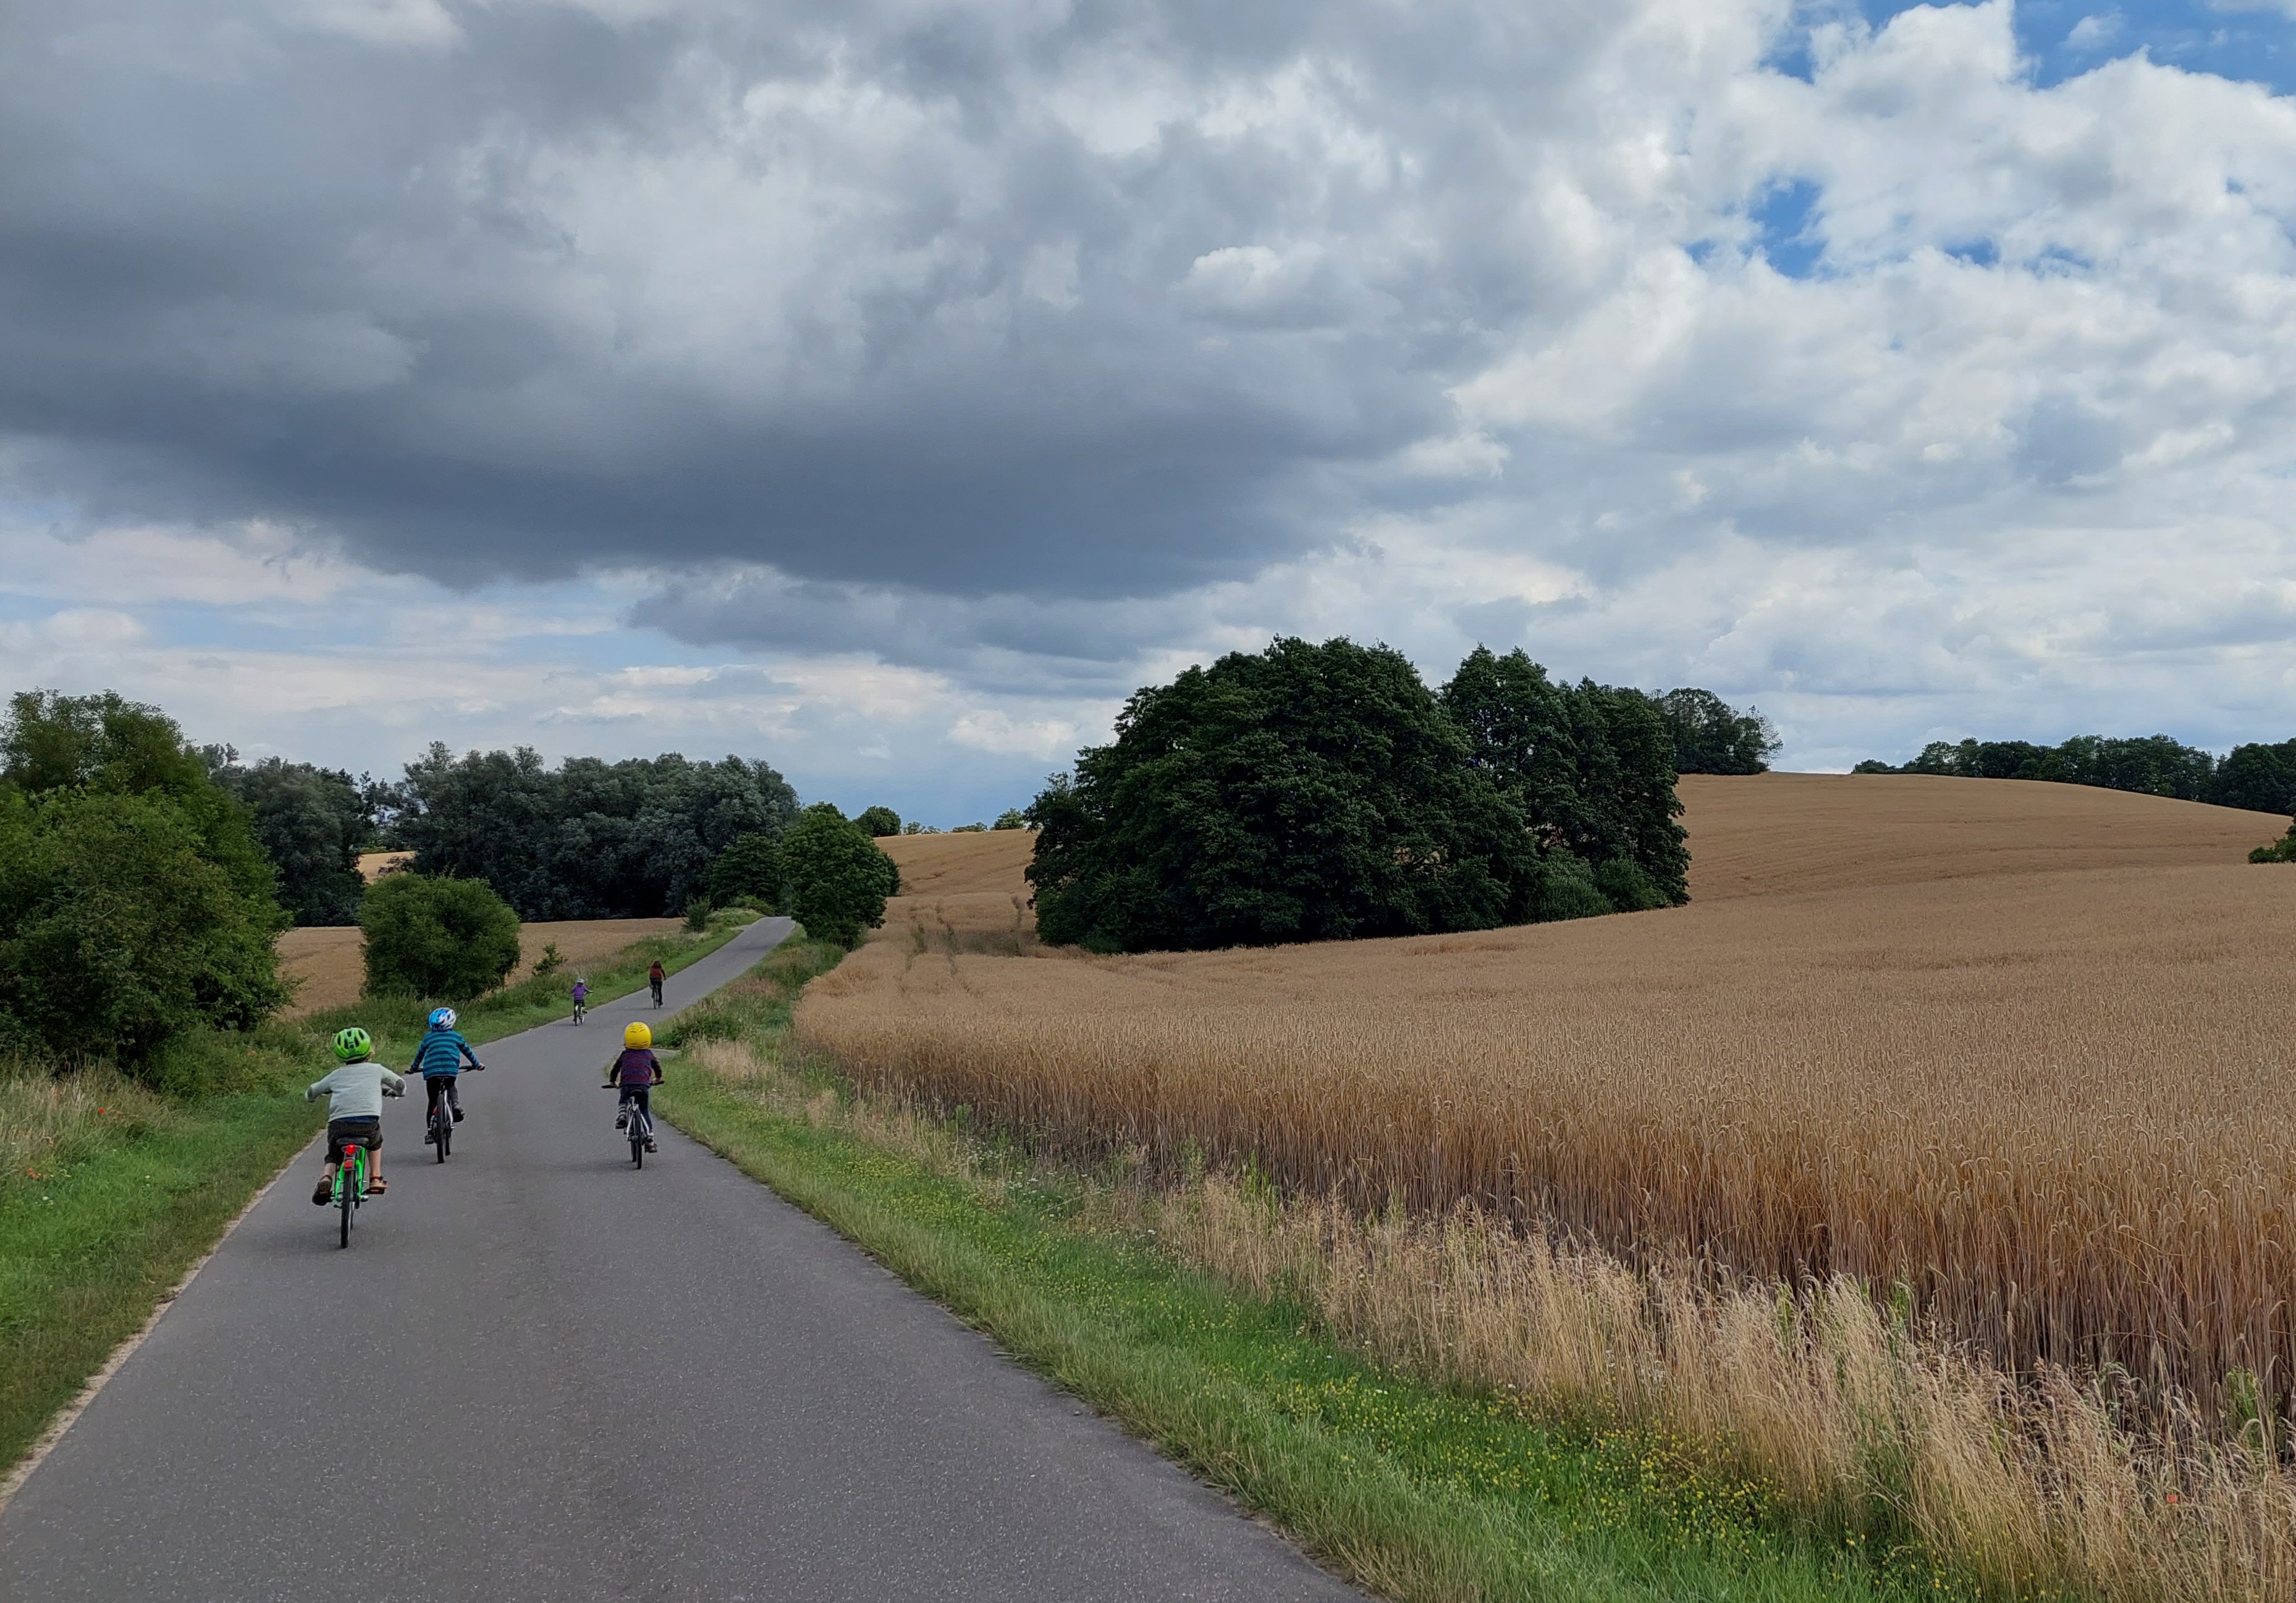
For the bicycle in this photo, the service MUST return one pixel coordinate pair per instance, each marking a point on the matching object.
(580, 1008)
(640, 1126)
(442, 1118)
(350, 1181)
(657, 992)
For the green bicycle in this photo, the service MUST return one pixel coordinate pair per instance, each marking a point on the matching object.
(350, 1186)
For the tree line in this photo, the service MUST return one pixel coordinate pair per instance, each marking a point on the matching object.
(2258, 776)
(1314, 792)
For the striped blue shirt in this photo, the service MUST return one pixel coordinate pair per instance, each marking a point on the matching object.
(442, 1052)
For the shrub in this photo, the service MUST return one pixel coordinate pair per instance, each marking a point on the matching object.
(118, 934)
(697, 915)
(436, 936)
(1627, 888)
(2282, 850)
(551, 961)
(969, 829)
(1568, 890)
(749, 872)
(837, 876)
(879, 820)
(1011, 818)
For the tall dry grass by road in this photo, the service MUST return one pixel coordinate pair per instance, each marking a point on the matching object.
(2052, 1102)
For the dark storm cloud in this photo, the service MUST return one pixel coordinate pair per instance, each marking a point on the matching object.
(341, 264)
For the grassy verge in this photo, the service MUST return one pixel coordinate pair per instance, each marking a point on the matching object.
(1415, 1492)
(109, 1192)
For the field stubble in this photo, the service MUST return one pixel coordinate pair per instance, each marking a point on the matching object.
(2048, 1102)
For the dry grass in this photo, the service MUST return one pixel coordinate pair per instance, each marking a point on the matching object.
(2019, 1049)
(330, 966)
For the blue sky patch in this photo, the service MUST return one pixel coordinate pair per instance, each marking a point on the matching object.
(1782, 216)
(2064, 38)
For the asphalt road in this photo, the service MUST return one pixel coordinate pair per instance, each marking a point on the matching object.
(539, 1374)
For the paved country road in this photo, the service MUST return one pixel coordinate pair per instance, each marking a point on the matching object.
(539, 1374)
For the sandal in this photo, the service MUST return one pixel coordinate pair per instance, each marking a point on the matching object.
(325, 1194)
(375, 1187)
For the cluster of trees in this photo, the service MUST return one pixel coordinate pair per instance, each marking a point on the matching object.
(884, 821)
(587, 840)
(826, 871)
(1711, 736)
(2257, 776)
(1314, 792)
(313, 823)
(136, 905)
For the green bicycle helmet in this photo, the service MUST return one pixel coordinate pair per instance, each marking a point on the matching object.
(353, 1045)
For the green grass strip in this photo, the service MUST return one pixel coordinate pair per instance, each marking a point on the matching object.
(1417, 1493)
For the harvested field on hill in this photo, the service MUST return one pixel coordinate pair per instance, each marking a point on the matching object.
(2021, 1047)
(330, 963)
(945, 866)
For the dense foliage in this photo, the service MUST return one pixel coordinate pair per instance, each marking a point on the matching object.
(879, 820)
(2260, 777)
(747, 873)
(837, 876)
(1315, 792)
(436, 936)
(135, 906)
(1711, 736)
(313, 823)
(588, 839)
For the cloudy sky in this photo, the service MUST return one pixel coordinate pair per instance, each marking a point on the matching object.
(886, 388)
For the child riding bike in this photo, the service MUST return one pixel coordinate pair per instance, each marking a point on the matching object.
(439, 1061)
(355, 1093)
(638, 1071)
(581, 999)
(654, 977)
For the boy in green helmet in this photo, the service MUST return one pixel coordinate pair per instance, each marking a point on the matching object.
(355, 1093)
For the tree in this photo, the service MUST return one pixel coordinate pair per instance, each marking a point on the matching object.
(1306, 792)
(1591, 767)
(1711, 736)
(879, 820)
(135, 906)
(749, 872)
(837, 876)
(2152, 765)
(2258, 777)
(591, 839)
(436, 936)
(313, 823)
(1011, 818)
(119, 933)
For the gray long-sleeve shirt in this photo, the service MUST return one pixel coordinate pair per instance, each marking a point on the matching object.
(356, 1090)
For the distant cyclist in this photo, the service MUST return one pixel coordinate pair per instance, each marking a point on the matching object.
(638, 1071)
(354, 1093)
(581, 999)
(654, 977)
(439, 1061)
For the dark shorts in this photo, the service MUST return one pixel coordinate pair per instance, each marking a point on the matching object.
(353, 1132)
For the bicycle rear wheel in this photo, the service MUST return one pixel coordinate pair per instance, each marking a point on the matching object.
(349, 1182)
(443, 1130)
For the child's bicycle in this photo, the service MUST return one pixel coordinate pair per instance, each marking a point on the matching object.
(442, 1122)
(350, 1186)
(580, 1008)
(640, 1126)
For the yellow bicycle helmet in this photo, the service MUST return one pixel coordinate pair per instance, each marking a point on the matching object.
(637, 1034)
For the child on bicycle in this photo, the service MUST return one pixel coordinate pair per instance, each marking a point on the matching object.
(638, 1071)
(439, 1061)
(355, 1093)
(654, 977)
(581, 998)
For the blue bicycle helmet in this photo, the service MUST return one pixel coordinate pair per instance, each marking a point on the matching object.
(442, 1019)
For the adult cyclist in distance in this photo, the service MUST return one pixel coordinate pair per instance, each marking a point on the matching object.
(439, 1061)
(654, 977)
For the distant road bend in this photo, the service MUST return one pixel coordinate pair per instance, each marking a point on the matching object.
(538, 1374)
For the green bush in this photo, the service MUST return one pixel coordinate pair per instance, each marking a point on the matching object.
(2282, 850)
(1567, 888)
(1628, 886)
(879, 820)
(747, 873)
(444, 937)
(118, 933)
(837, 876)
(1011, 818)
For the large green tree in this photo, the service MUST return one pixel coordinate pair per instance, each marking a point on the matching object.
(313, 823)
(837, 876)
(1304, 792)
(135, 905)
(1711, 736)
(437, 937)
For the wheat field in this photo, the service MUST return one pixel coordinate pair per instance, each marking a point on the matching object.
(2021, 1049)
(328, 964)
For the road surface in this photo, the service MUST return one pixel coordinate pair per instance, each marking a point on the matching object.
(539, 1374)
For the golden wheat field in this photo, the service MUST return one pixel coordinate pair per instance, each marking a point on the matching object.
(2022, 1048)
(330, 965)
(946, 865)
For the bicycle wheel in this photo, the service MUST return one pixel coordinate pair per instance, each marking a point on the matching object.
(349, 1182)
(443, 1129)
